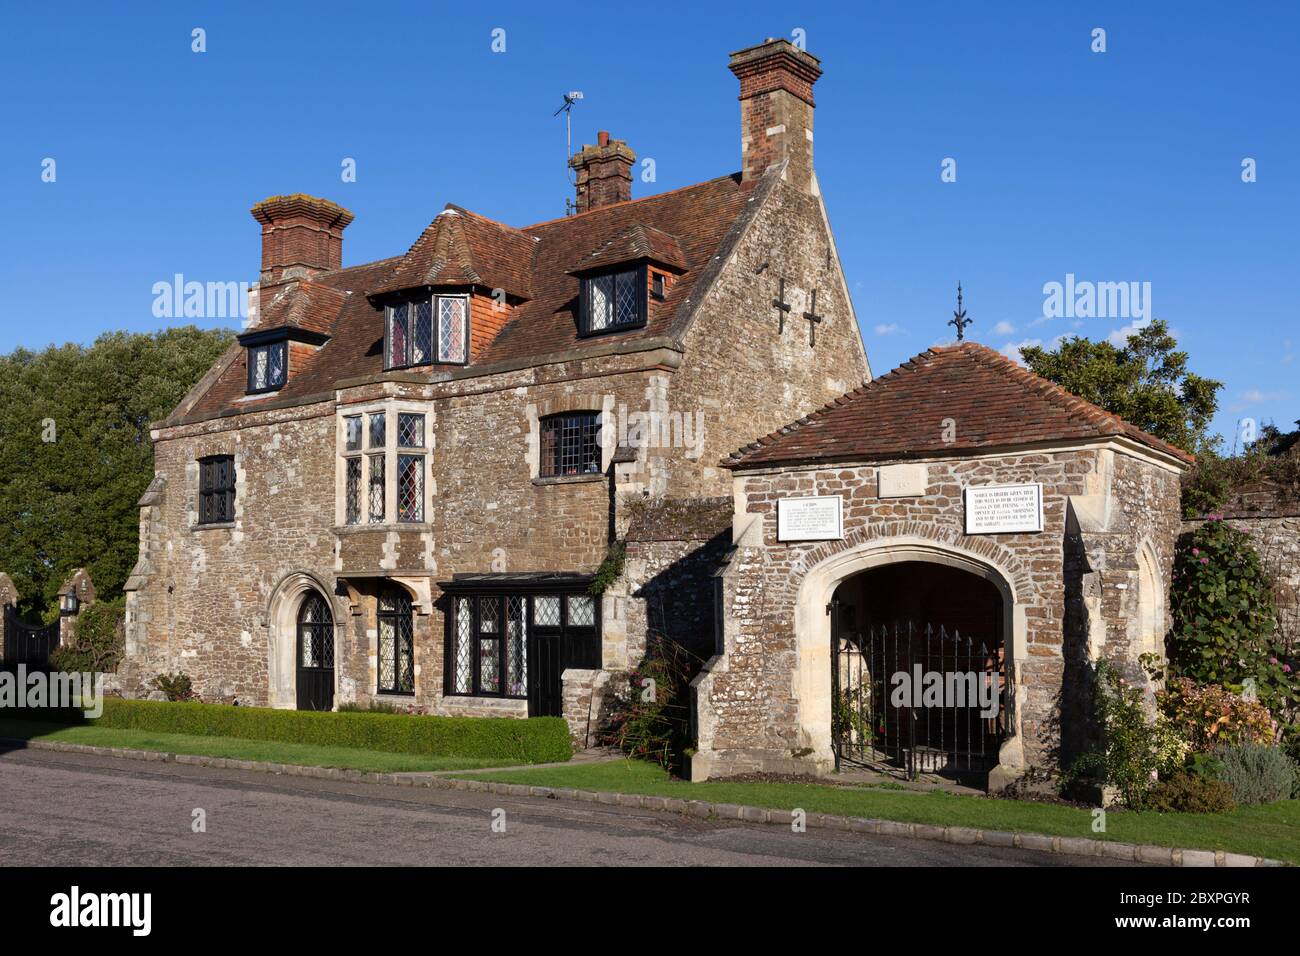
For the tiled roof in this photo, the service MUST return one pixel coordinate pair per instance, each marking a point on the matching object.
(990, 400)
(304, 304)
(462, 248)
(637, 243)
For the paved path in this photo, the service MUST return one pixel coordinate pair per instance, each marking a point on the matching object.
(86, 810)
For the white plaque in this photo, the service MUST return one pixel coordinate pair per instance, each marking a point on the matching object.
(1001, 509)
(810, 519)
(901, 481)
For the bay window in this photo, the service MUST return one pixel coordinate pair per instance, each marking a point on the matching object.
(385, 458)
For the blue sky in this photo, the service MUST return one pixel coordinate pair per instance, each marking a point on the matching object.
(1122, 166)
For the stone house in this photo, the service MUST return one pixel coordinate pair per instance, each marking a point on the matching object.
(399, 483)
(958, 517)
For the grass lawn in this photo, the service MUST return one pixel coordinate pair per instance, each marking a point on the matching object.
(1270, 831)
(240, 749)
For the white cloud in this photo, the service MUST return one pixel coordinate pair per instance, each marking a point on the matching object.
(1003, 328)
(1255, 396)
(1119, 337)
(889, 329)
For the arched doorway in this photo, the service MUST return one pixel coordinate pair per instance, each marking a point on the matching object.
(918, 669)
(315, 654)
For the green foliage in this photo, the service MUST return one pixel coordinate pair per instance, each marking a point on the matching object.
(97, 640)
(1146, 382)
(610, 569)
(379, 707)
(650, 717)
(1210, 483)
(1257, 773)
(1128, 752)
(177, 687)
(1190, 793)
(71, 502)
(1223, 630)
(532, 740)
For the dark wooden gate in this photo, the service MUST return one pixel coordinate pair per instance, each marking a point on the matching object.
(29, 644)
(315, 655)
(915, 698)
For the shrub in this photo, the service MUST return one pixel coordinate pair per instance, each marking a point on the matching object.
(1190, 793)
(97, 640)
(650, 717)
(1292, 748)
(1257, 773)
(1223, 632)
(1210, 715)
(1128, 753)
(177, 687)
(531, 740)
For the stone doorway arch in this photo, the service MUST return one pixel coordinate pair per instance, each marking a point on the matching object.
(812, 677)
(282, 634)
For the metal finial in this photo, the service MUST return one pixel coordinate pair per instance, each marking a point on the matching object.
(959, 317)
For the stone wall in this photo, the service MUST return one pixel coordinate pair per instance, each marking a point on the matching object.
(764, 703)
(1270, 514)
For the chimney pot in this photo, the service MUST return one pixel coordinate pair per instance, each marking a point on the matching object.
(302, 236)
(602, 138)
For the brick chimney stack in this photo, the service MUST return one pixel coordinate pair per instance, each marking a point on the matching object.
(301, 236)
(604, 172)
(776, 109)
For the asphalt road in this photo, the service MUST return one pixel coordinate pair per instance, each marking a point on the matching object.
(84, 810)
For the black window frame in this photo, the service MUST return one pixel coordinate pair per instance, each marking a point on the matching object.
(584, 301)
(216, 497)
(435, 342)
(555, 467)
(279, 345)
(404, 613)
(581, 645)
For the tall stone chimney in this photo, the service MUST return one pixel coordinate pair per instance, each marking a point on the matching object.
(776, 109)
(301, 236)
(604, 172)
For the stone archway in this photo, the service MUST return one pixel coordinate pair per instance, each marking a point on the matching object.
(812, 677)
(1150, 620)
(282, 634)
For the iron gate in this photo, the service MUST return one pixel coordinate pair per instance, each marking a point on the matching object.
(29, 644)
(919, 698)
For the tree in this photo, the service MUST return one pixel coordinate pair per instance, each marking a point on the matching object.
(1145, 382)
(76, 452)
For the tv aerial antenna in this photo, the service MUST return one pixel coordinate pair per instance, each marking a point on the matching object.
(570, 101)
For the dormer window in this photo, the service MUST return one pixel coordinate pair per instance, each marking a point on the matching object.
(268, 366)
(613, 301)
(427, 331)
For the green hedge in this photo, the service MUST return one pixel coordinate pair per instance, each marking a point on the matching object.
(534, 740)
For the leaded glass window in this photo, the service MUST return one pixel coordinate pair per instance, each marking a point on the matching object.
(217, 489)
(410, 430)
(490, 638)
(422, 340)
(570, 445)
(451, 328)
(352, 493)
(613, 301)
(396, 643)
(462, 656)
(410, 487)
(516, 647)
(376, 488)
(430, 330)
(398, 337)
(315, 633)
(352, 433)
(268, 366)
(378, 426)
